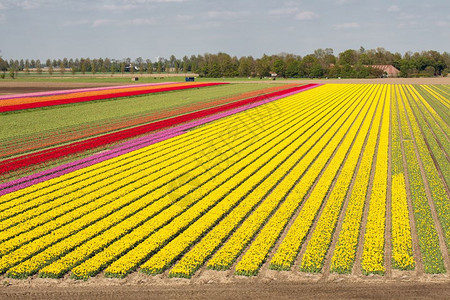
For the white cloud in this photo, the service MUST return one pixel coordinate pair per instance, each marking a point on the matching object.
(350, 25)
(407, 24)
(283, 11)
(140, 22)
(443, 24)
(28, 4)
(306, 15)
(215, 14)
(75, 23)
(114, 7)
(183, 18)
(202, 26)
(405, 16)
(155, 1)
(101, 22)
(393, 8)
(341, 2)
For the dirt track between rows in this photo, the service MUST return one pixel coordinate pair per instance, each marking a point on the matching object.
(244, 290)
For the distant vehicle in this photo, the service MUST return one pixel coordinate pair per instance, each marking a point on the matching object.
(128, 68)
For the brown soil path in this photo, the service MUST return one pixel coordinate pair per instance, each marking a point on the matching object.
(237, 290)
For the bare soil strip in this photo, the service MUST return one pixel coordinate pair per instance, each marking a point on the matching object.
(248, 289)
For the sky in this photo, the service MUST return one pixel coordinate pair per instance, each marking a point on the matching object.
(55, 29)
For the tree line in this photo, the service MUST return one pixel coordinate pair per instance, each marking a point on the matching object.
(322, 63)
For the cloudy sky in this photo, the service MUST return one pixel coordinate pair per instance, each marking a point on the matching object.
(42, 29)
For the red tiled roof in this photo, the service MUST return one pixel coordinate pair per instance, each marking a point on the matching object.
(389, 69)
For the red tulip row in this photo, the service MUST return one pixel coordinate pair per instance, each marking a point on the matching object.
(112, 94)
(53, 138)
(77, 147)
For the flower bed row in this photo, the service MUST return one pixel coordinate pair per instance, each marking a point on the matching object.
(32, 180)
(54, 137)
(374, 237)
(402, 254)
(40, 205)
(62, 92)
(338, 146)
(46, 155)
(345, 252)
(271, 192)
(426, 231)
(184, 176)
(121, 195)
(28, 103)
(316, 249)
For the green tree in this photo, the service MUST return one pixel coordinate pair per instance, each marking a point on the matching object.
(62, 68)
(113, 68)
(149, 66)
(12, 72)
(38, 66)
(159, 67)
(279, 67)
(94, 66)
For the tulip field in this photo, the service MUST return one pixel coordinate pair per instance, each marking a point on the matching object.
(325, 179)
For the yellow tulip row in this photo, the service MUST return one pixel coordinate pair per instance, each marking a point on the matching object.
(425, 142)
(426, 231)
(373, 249)
(259, 249)
(438, 141)
(209, 193)
(438, 194)
(46, 187)
(78, 200)
(59, 188)
(203, 184)
(288, 250)
(104, 194)
(345, 251)
(279, 166)
(62, 265)
(56, 235)
(97, 169)
(217, 190)
(402, 256)
(316, 250)
(233, 247)
(44, 196)
(437, 95)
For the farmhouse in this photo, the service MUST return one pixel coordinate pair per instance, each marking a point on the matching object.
(390, 70)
